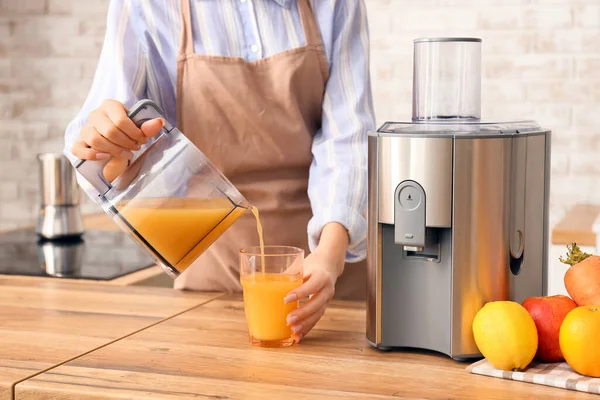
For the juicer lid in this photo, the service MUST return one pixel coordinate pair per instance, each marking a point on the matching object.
(448, 39)
(459, 128)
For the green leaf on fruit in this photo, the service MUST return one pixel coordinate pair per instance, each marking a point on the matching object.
(574, 255)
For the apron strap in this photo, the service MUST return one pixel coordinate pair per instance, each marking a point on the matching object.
(186, 44)
(309, 23)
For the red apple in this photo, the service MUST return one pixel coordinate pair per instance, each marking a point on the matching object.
(548, 313)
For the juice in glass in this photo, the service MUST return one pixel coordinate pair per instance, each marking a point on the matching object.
(265, 286)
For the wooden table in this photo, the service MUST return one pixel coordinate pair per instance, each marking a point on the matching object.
(46, 322)
(204, 353)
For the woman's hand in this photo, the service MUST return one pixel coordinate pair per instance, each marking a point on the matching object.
(321, 271)
(110, 134)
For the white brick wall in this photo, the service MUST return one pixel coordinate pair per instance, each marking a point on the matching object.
(43, 54)
(541, 61)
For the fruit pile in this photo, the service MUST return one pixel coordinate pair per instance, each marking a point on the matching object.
(549, 329)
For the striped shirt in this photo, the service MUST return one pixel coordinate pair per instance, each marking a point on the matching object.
(138, 60)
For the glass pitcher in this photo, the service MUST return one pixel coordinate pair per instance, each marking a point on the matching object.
(171, 198)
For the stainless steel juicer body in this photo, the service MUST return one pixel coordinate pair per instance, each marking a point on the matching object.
(479, 193)
(458, 216)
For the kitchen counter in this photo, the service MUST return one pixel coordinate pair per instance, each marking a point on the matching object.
(65, 340)
(45, 322)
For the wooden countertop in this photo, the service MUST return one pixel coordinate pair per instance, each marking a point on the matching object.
(204, 353)
(46, 322)
(577, 226)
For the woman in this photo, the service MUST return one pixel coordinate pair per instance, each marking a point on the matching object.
(276, 93)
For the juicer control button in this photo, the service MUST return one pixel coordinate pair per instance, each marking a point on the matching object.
(409, 198)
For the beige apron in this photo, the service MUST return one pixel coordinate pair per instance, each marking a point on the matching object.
(256, 122)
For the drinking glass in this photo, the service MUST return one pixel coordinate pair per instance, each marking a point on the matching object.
(266, 279)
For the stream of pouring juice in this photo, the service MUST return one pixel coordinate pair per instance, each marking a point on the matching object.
(260, 237)
(179, 229)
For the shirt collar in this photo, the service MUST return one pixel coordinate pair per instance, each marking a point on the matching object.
(284, 3)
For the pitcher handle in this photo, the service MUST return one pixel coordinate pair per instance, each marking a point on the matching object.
(93, 170)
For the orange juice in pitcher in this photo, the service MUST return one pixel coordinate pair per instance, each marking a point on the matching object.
(179, 229)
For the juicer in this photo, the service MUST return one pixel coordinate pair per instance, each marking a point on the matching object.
(458, 208)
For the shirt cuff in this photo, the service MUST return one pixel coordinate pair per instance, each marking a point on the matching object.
(354, 222)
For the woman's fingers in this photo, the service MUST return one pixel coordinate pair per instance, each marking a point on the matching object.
(106, 128)
(82, 151)
(152, 127)
(115, 167)
(92, 138)
(117, 114)
(301, 329)
(109, 132)
(313, 306)
(321, 289)
(311, 286)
